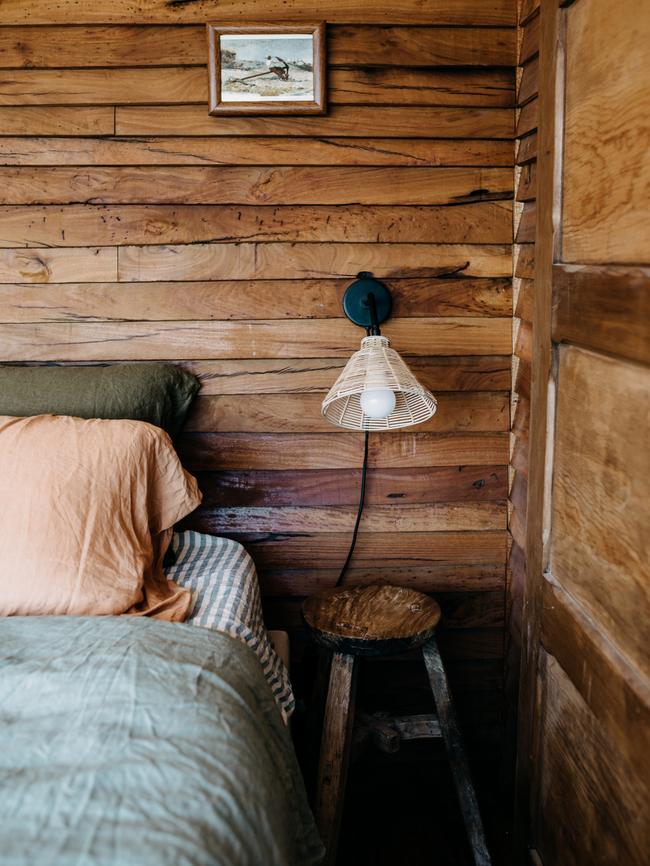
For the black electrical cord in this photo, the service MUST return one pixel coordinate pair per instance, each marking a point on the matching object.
(362, 496)
(371, 330)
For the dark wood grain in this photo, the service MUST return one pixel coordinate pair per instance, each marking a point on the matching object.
(252, 150)
(224, 300)
(339, 450)
(131, 341)
(76, 225)
(393, 122)
(300, 487)
(132, 44)
(477, 411)
(247, 185)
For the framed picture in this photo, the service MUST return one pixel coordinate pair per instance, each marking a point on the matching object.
(267, 69)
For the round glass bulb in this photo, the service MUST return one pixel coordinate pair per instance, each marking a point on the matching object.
(377, 402)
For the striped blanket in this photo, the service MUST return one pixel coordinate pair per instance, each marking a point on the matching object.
(226, 593)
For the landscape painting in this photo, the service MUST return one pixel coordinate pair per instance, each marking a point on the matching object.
(267, 67)
(255, 70)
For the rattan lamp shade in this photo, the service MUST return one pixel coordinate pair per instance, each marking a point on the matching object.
(377, 366)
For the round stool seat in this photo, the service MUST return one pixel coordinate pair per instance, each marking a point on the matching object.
(371, 620)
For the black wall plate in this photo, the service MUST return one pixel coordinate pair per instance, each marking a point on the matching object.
(355, 300)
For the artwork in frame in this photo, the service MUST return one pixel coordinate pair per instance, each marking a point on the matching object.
(267, 69)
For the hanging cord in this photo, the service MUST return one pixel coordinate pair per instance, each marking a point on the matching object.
(371, 329)
(362, 497)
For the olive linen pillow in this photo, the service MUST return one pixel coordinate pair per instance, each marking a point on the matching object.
(160, 394)
(87, 509)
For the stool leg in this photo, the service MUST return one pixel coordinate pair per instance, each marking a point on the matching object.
(335, 751)
(456, 752)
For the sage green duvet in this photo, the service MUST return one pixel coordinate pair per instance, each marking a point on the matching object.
(130, 741)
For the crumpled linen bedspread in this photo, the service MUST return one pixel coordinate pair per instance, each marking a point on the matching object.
(131, 742)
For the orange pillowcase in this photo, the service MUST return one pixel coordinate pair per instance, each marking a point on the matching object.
(87, 509)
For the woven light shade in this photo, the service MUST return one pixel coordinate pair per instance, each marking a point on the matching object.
(376, 366)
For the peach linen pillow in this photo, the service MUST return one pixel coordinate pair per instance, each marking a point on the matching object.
(87, 509)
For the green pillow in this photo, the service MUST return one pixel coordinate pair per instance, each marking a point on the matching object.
(158, 393)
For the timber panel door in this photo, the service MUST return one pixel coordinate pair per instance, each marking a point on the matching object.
(584, 759)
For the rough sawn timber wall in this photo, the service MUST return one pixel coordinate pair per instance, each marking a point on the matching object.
(136, 227)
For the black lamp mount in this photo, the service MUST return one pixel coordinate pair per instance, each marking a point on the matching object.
(367, 302)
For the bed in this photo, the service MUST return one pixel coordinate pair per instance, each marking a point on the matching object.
(143, 707)
(137, 741)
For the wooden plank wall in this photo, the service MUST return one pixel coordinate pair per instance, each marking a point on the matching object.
(523, 295)
(136, 227)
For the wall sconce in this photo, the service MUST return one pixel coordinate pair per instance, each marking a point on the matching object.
(376, 390)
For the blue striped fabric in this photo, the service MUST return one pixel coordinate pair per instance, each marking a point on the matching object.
(226, 596)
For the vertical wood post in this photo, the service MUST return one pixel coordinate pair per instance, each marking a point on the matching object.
(456, 752)
(335, 751)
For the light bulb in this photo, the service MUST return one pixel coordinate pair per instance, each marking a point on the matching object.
(377, 402)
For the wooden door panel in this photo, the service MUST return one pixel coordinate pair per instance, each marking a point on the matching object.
(592, 800)
(600, 550)
(606, 181)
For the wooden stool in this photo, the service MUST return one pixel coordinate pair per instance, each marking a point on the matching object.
(381, 620)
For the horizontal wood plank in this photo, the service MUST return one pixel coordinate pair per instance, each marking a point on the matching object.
(57, 120)
(316, 375)
(175, 85)
(117, 225)
(524, 261)
(456, 12)
(311, 487)
(373, 548)
(476, 411)
(422, 46)
(457, 517)
(235, 150)
(58, 265)
(525, 290)
(530, 40)
(260, 339)
(326, 185)
(245, 299)
(358, 45)
(527, 8)
(482, 577)
(528, 117)
(526, 149)
(245, 261)
(339, 450)
(527, 223)
(340, 121)
(146, 86)
(529, 83)
(413, 85)
(527, 182)
(603, 308)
